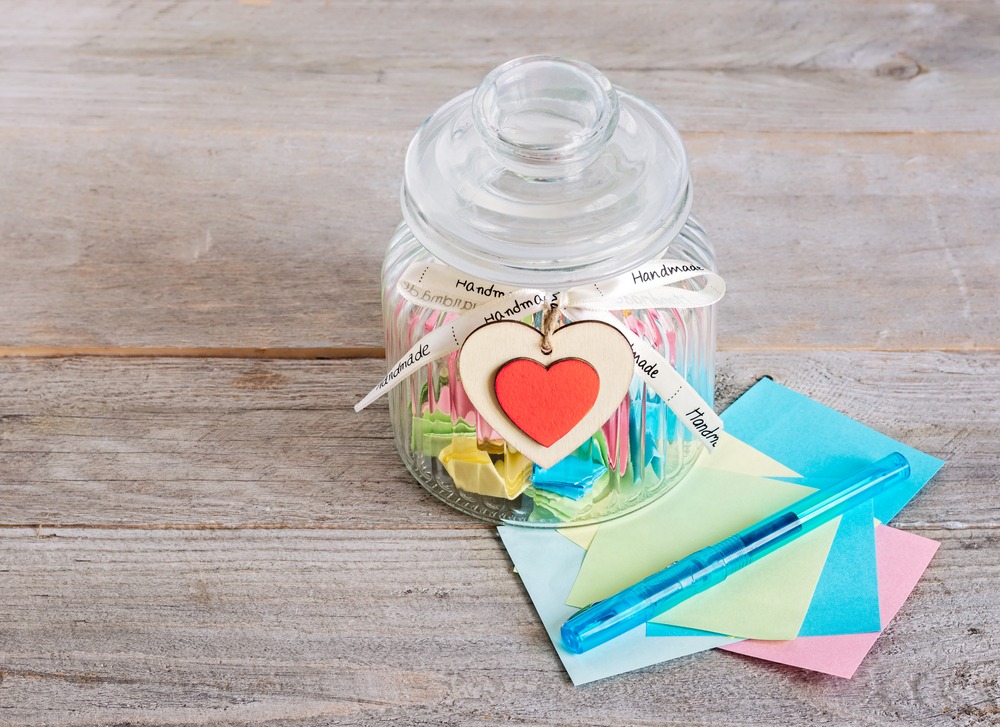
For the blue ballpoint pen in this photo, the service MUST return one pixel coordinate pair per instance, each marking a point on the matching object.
(705, 568)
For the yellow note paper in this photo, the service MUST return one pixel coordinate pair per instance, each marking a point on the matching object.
(473, 470)
(582, 535)
(733, 455)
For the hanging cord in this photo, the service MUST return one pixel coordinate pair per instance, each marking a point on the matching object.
(550, 322)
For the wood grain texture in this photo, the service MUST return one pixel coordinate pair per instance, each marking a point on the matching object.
(179, 443)
(722, 66)
(140, 239)
(418, 628)
(202, 174)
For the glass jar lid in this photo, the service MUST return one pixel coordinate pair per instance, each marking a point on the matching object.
(546, 175)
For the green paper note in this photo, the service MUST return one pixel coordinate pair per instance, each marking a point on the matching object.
(766, 600)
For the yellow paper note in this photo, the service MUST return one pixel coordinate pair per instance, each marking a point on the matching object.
(473, 470)
(765, 600)
(733, 455)
(582, 535)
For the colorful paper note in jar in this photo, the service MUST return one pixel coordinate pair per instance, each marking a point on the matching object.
(549, 302)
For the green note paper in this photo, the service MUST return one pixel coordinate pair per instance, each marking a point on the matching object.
(766, 600)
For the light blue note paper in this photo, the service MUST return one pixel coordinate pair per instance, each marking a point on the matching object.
(547, 564)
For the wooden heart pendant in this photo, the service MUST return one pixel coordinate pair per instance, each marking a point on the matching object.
(546, 405)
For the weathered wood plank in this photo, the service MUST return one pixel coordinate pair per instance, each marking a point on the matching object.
(363, 627)
(194, 240)
(274, 239)
(177, 442)
(856, 66)
(204, 174)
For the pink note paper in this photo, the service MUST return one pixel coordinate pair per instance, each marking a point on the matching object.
(902, 558)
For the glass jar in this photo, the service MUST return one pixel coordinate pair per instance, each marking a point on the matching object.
(549, 177)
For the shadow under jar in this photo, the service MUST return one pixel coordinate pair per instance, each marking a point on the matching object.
(546, 176)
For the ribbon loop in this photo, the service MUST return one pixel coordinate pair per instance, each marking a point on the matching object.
(440, 287)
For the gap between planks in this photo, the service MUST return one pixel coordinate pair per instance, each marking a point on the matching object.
(351, 352)
(278, 352)
(472, 525)
(10, 131)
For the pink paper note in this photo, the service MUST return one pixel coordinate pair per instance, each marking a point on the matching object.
(902, 558)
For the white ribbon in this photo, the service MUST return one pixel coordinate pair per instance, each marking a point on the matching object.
(653, 285)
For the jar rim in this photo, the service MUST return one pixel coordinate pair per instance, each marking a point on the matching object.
(562, 90)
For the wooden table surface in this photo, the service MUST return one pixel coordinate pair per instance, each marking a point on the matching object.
(195, 527)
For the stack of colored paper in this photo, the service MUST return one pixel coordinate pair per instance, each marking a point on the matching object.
(819, 603)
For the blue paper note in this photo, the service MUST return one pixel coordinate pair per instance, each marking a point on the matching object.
(547, 564)
(821, 444)
(846, 598)
(824, 446)
(571, 477)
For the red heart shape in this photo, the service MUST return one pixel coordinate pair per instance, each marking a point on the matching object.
(546, 403)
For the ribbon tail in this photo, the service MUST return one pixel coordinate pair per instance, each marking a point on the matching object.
(693, 411)
(431, 347)
(449, 338)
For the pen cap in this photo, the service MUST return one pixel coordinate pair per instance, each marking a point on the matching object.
(868, 482)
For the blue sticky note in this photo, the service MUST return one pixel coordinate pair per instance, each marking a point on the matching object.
(846, 596)
(820, 443)
(655, 629)
(825, 446)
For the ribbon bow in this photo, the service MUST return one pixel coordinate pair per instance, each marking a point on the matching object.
(652, 285)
